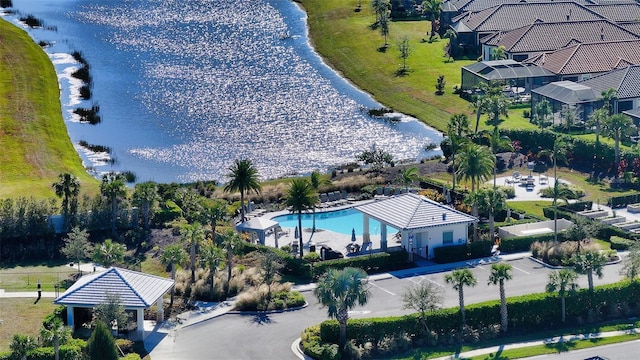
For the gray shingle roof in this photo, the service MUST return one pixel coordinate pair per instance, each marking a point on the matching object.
(135, 289)
(634, 27)
(633, 113)
(411, 211)
(567, 92)
(590, 58)
(506, 69)
(625, 81)
(513, 16)
(543, 36)
(618, 12)
(478, 5)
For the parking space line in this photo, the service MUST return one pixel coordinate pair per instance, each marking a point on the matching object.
(480, 267)
(517, 268)
(434, 282)
(385, 290)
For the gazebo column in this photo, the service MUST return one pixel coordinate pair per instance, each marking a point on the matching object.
(383, 237)
(70, 316)
(160, 310)
(139, 324)
(366, 234)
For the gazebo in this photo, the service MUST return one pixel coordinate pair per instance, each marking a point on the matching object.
(136, 291)
(259, 226)
(423, 223)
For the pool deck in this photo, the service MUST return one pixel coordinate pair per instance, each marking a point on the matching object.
(321, 237)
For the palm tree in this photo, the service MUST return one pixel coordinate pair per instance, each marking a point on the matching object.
(596, 119)
(541, 113)
(617, 126)
(582, 230)
(562, 281)
(452, 35)
(560, 148)
(473, 200)
(109, 253)
(145, 197)
(609, 98)
(409, 176)
(476, 164)
(479, 107)
(461, 278)
(589, 262)
(496, 105)
(384, 27)
(492, 201)
(340, 291)
(113, 188)
(571, 115)
(560, 192)
(231, 243)
(211, 256)
(498, 53)
(213, 212)
(55, 334)
(432, 9)
(500, 273)
(300, 197)
(498, 143)
(193, 235)
(173, 255)
(317, 181)
(457, 131)
(243, 177)
(68, 187)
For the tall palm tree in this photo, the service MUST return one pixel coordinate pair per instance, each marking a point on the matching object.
(457, 131)
(473, 200)
(214, 212)
(109, 253)
(193, 235)
(231, 243)
(492, 201)
(617, 126)
(498, 143)
(55, 334)
(560, 192)
(497, 105)
(476, 164)
(596, 120)
(432, 9)
(459, 279)
(243, 177)
(145, 197)
(114, 189)
(559, 151)
(68, 188)
(340, 291)
(317, 181)
(563, 281)
(479, 105)
(173, 256)
(300, 197)
(609, 98)
(500, 273)
(211, 256)
(589, 262)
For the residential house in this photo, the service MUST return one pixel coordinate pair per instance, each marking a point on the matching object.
(513, 73)
(519, 44)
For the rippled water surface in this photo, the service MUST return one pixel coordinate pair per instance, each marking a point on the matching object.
(186, 87)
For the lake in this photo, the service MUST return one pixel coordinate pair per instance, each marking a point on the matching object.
(186, 87)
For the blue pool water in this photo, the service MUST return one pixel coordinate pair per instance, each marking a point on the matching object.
(340, 221)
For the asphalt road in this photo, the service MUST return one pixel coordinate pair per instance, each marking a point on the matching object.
(621, 351)
(270, 336)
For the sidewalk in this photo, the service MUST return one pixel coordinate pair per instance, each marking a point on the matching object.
(548, 341)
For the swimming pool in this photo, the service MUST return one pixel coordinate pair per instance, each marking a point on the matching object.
(340, 221)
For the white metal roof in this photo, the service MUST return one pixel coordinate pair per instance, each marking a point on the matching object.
(135, 289)
(410, 211)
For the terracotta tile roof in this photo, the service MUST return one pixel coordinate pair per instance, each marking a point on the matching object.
(618, 12)
(478, 5)
(625, 81)
(589, 58)
(513, 16)
(542, 36)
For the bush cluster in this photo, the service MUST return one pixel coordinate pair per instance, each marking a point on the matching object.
(474, 250)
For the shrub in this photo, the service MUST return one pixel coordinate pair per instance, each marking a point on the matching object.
(132, 356)
(509, 191)
(125, 345)
(312, 257)
(474, 250)
(376, 263)
(620, 243)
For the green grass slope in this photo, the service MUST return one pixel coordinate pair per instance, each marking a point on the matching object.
(33, 137)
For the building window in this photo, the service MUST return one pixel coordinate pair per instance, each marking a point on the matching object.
(447, 237)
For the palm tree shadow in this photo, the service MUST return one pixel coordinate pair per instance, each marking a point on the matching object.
(561, 345)
(497, 355)
(401, 72)
(383, 48)
(261, 319)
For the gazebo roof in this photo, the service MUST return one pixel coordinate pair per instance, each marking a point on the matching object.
(411, 211)
(257, 224)
(135, 289)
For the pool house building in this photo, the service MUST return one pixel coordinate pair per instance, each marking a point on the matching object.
(423, 223)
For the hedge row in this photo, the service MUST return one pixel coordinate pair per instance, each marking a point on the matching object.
(624, 200)
(474, 250)
(375, 263)
(605, 232)
(523, 243)
(527, 313)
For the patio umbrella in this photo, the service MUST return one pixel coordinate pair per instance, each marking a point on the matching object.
(353, 235)
(296, 234)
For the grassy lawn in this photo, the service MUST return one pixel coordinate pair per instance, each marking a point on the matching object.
(25, 278)
(33, 137)
(21, 316)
